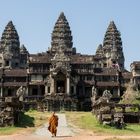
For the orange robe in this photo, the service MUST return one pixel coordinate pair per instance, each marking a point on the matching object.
(53, 123)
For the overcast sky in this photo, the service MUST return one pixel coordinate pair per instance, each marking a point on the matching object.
(88, 19)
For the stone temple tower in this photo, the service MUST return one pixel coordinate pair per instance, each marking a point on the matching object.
(9, 47)
(112, 47)
(62, 33)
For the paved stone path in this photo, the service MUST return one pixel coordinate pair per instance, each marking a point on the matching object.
(62, 131)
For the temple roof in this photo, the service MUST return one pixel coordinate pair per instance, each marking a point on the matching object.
(106, 71)
(107, 84)
(14, 84)
(40, 58)
(13, 72)
(10, 39)
(62, 17)
(23, 49)
(127, 75)
(82, 59)
(99, 50)
(136, 63)
(112, 34)
(61, 32)
(74, 59)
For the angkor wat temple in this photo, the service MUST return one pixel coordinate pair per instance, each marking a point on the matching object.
(60, 77)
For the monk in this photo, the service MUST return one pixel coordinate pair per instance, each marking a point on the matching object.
(53, 123)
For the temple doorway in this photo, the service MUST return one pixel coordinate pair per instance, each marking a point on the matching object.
(60, 83)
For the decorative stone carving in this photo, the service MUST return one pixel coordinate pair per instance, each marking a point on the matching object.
(21, 93)
(94, 94)
(107, 95)
(60, 61)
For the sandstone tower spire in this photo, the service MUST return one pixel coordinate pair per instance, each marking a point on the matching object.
(112, 33)
(112, 46)
(61, 33)
(9, 46)
(10, 39)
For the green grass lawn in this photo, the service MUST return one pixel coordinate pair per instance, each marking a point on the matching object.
(87, 121)
(9, 130)
(28, 123)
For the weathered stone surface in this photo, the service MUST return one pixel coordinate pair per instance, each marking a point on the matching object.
(9, 110)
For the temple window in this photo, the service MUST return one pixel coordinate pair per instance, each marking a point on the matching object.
(72, 90)
(99, 65)
(16, 64)
(89, 77)
(48, 89)
(106, 78)
(9, 92)
(7, 63)
(105, 65)
(34, 91)
(114, 62)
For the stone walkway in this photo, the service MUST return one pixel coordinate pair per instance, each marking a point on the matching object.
(63, 130)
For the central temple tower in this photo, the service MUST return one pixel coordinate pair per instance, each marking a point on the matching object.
(62, 33)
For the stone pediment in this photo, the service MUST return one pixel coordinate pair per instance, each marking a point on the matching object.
(60, 56)
(63, 70)
(60, 62)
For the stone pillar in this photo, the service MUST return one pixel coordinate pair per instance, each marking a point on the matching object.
(119, 91)
(26, 93)
(74, 89)
(134, 81)
(52, 85)
(39, 90)
(46, 89)
(1, 92)
(68, 86)
(27, 90)
(2, 83)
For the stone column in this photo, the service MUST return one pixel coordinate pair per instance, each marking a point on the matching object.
(1, 92)
(52, 85)
(74, 89)
(27, 93)
(68, 86)
(46, 89)
(27, 90)
(39, 90)
(119, 91)
(134, 81)
(2, 83)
